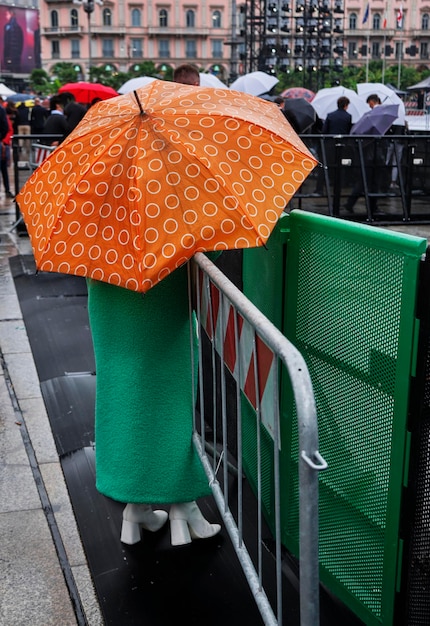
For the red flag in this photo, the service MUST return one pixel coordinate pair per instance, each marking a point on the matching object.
(384, 21)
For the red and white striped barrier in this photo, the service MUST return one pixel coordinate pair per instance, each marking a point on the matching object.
(251, 362)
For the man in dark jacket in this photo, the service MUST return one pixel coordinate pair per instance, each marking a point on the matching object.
(56, 123)
(74, 111)
(338, 122)
(38, 115)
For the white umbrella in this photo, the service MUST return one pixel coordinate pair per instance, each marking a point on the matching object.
(387, 95)
(135, 83)
(210, 80)
(254, 83)
(5, 91)
(325, 102)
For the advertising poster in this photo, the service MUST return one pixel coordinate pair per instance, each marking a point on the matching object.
(19, 40)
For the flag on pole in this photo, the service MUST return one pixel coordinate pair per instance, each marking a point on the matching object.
(384, 21)
(366, 14)
(399, 17)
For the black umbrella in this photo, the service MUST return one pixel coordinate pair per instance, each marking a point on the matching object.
(300, 114)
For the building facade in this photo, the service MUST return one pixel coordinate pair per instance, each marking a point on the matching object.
(122, 33)
(225, 37)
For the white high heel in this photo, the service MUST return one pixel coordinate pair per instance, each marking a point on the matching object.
(137, 516)
(187, 523)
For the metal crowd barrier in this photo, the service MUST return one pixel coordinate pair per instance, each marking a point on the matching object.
(247, 349)
(390, 174)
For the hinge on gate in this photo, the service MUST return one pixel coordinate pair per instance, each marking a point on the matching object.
(284, 227)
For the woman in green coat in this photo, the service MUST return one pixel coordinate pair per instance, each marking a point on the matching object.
(144, 408)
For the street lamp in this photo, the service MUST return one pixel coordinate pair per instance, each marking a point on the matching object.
(89, 6)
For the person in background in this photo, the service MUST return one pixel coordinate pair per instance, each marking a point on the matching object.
(38, 117)
(280, 101)
(12, 115)
(56, 123)
(93, 102)
(144, 403)
(24, 128)
(338, 122)
(373, 100)
(186, 74)
(74, 111)
(5, 155)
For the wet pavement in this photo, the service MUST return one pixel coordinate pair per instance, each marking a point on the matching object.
(45, 577)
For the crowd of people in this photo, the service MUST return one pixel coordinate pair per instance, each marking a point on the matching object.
(339, 122)
(57, 115)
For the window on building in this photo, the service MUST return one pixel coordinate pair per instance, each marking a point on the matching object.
(376, 50)
(75, 48)
(352, 50)
(136, 48)
(190, 18)
(217, 48)
(163, 48)
(425, 21)
(74, 19)
(107, 48)
(216, 19)
(163, 18)
(424, 50)
(55, 49)
(107, 17)
(399, 49)
(54, 20)
(376, 21)
(136, 18)
(353, 21)
(190, 49)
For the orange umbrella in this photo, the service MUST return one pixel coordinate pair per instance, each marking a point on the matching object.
(86, 92)
(151, 177)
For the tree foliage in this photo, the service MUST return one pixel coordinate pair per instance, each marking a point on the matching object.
(352, 74)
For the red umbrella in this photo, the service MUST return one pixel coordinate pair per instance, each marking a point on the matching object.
(298, 92)
(86, 92)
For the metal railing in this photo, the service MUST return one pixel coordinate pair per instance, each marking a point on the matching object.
(389, 174)
(247, 343)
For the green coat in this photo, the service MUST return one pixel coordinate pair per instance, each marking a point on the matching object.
(144, 399)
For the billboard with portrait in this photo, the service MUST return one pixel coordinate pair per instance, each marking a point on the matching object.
(19, 40)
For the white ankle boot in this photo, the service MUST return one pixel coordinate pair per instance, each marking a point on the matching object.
(137, 516)
(187, 523)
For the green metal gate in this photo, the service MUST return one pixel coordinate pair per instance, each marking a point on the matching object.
(348, 297)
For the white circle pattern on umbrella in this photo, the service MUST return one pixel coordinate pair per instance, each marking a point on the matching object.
(145, 192)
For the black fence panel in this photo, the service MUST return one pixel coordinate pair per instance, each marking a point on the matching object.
(368, 178)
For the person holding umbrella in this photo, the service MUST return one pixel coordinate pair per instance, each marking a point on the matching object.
(144, 182)
(373, 161)
(144, 404)
(338, 122)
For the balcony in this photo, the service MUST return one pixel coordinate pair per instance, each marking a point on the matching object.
(178, 32)
(62, 31)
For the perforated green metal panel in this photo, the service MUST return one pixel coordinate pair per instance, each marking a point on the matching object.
(350, 309)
